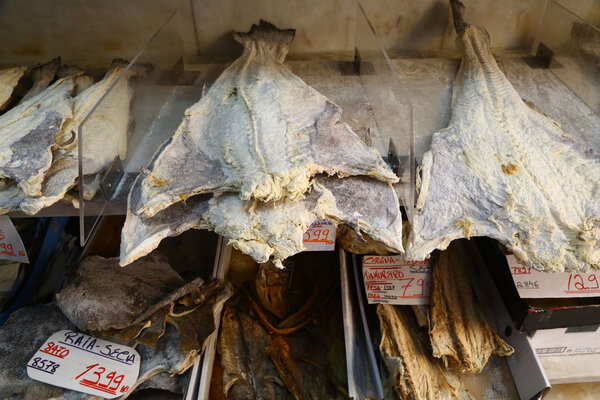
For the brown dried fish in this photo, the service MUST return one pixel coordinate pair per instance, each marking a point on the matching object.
(272, 284)
(459, 333)
(414, 373)
(247, 371)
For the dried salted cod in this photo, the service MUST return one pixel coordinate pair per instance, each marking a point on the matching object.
(260, 131)
(248, 373)
(104, 138)
(414, 373)
(29, 133)
(104, 295)
(271, 229)
(505, 171)
(459, 333)
(9, 79)
(42, 76)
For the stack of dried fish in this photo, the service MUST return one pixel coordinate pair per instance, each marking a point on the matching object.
(39, 158)
(504, 170)
(277, 349)
(258, 159)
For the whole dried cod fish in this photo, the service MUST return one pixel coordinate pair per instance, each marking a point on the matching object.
(29, 133)
(503, 170)
(9, 79)
(259, 131)
(459, 332)
(248, 373)
(104, 137)
(414, 373)
(267, 229)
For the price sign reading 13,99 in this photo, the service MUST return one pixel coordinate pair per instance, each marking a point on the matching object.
(80, 362)
(320, 236)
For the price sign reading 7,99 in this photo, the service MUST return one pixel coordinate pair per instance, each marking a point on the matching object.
(395, 280)
(320, 236)
(80, 362)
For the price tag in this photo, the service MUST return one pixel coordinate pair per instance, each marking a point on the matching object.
(320, 236)
(80, 362)
(11, 246)
(395, 280)
(532, 284)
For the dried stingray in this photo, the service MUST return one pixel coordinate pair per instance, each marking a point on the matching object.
(104, 138)
(503, 170)
(459, 333)
(29, 133)
(414, 373)
(9, 79)
(267, 229)
(260, 131)
(20, 337)
(104, 295)
(248, 373)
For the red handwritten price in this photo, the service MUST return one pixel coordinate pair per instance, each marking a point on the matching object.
(583, 283)
(55, 350)
(111, 378)
(318, 235)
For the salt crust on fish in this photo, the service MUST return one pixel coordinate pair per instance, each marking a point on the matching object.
(275, 230)
(259, 131)
(503, 170)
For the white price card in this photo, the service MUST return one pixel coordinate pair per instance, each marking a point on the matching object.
(320, 236)
(395, 280)
(532, 284)
(80, 362)
(11, 246)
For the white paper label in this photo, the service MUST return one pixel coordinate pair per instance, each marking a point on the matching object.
(11, 246)
(80, 362)
(320, 236)
(565, 341)
(532, 283)
(395, 280)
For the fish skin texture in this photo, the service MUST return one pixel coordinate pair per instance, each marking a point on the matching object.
(9, 78)
(414, 373)
(28, 132)
(42, 76)
(259, 131)
(503, 170)
(459, 333)
(103, 295)
(266, 229)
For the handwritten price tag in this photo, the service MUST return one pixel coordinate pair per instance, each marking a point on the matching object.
(80, 362)
(320, 236)
(395, 280)
(11, 246)
(533, 284)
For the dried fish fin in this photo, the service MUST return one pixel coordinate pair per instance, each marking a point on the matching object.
(9, 78)
(459, 333)
(157, 328)
(260, 131)
(505, 171)
(414, 373)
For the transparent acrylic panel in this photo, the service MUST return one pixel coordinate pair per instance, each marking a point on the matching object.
(112, 133)
(575, 45)
(394, 132)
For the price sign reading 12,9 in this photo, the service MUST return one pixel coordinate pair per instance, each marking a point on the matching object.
(320, 236)
(80, 362)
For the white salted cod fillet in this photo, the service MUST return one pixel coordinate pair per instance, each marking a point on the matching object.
(260, 131)
(271, 229)
(29, 131)
(505, 171)
(104, 138)
(9, 79)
